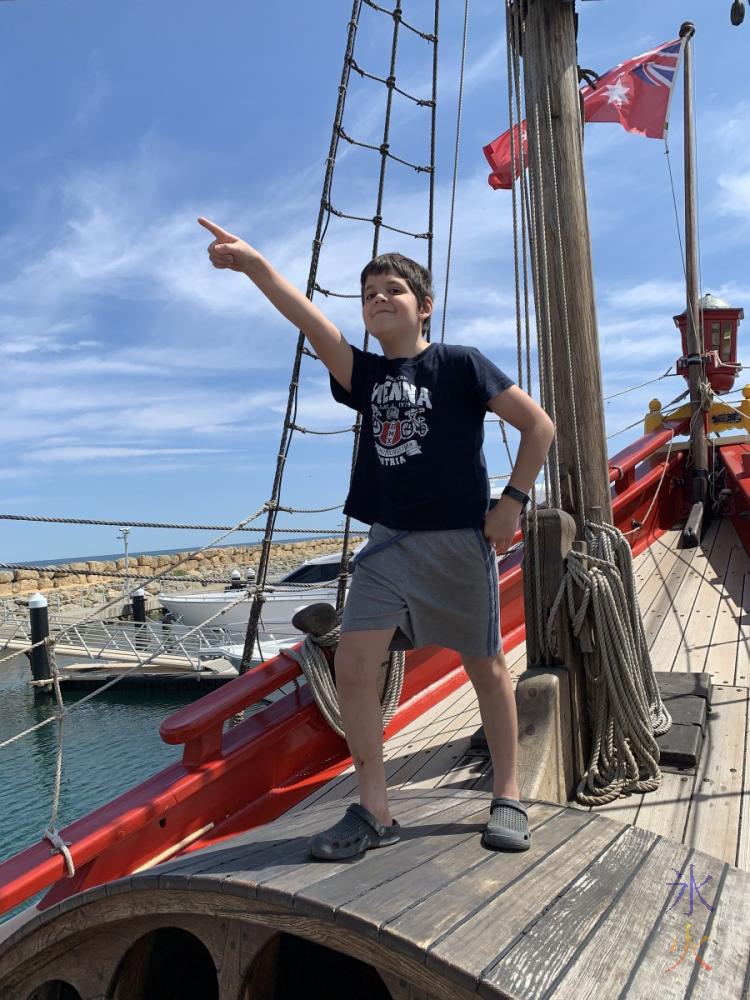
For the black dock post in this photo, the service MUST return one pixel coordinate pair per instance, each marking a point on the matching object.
(139, 617)
(139, 605)
(39, 619)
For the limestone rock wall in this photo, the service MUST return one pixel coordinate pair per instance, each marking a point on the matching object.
(83, 583)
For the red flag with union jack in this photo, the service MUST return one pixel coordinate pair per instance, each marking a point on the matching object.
(636, 94)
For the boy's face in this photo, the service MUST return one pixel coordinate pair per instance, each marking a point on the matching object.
(390, 308)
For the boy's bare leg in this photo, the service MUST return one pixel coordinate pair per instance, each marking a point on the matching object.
(357, 661)
(497, 706)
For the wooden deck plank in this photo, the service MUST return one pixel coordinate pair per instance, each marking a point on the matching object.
(433, 724)
(287, 851)
(729, 925)
(665, 810)
(669, 639)
(743, 847)
(542, 950)
(721, 661)
(713, 819)
(742, 666)
(523, 889)
(653, 566)
(414, 918)
(416, 756)
(445, 824)
(700, 620)
(659, 612)
(427, 822)
(663, 947)
(607, 956)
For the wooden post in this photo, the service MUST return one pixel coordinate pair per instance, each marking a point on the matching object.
(556, 163)
(547, 544)
(694, 331)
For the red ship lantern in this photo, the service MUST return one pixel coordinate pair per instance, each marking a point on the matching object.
(720, 323)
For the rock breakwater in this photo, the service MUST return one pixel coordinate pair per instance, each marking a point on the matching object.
(84, 583)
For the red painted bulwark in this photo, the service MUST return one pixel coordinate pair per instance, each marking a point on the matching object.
(237, 780)
(736, 460)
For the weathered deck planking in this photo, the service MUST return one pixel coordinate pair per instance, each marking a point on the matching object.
(722, 658)
(668, 585)
(585, 911)
(743, 847)
(714, 817)
(669, 640)
(700, 620)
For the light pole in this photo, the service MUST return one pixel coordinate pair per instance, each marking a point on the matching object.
(124, 532)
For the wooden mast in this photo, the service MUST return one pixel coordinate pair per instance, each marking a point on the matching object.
(557, 175)
(694, 332)
(556, 676)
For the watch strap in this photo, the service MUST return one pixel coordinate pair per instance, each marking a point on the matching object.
(518, 495)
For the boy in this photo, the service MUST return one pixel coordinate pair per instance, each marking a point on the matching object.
(428, 573)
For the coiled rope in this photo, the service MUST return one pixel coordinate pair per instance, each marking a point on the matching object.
(627, 711)
(314, 665)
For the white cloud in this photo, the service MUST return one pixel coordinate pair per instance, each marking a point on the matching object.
(83, 453)
(661, 294)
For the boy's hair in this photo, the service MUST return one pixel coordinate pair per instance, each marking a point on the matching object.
(418, 278)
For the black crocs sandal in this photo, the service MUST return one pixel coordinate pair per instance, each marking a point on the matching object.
(508, 826)
(355, 833)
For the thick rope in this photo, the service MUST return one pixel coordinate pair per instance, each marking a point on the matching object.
(626, 708)
(315, 667)
(124, 522)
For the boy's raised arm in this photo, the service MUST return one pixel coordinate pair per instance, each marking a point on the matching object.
(230, 252)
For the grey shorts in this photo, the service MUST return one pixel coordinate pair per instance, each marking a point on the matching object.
(434, 587)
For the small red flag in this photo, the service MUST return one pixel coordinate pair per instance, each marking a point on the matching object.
(636, 94)
(499, 158)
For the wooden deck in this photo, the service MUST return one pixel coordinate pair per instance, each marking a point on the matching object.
(596, 907)
(692, 603)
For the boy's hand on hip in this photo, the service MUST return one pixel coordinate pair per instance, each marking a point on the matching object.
(501, 523)
(227, 250)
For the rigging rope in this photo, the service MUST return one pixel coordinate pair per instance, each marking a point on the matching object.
(459, 110)
(230, 529)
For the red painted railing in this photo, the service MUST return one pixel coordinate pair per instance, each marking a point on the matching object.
(227, 782)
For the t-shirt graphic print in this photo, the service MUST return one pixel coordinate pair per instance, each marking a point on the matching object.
(420, 465)
(399, 419)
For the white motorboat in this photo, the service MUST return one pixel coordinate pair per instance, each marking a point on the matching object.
(283, 600)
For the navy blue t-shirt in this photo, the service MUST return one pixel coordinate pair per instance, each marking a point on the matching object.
(420, 464)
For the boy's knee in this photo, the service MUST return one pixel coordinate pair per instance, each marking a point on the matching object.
(344, 663)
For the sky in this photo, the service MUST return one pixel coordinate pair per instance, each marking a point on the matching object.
(137, 383)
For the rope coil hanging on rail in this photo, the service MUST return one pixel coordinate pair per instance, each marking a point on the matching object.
(315, 666)
(627, 711)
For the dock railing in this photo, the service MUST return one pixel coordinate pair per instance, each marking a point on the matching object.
(138, 640)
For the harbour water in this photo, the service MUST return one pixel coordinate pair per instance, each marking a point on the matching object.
(111, 743)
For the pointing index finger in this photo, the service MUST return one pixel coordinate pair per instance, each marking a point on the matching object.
(217, 231)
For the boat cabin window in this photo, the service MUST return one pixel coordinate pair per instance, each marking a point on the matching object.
(726, 342)
(715, 336)
(320, 573)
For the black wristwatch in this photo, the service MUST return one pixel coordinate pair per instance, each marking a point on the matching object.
(518, 495)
